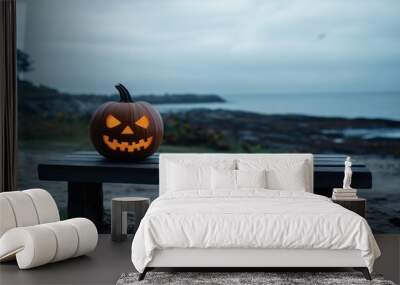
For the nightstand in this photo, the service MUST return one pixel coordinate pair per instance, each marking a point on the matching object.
(358, 205)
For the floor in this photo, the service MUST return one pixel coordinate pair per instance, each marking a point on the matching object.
(104, 266)
(110, 260)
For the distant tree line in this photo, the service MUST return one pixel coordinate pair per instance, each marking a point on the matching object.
(24, 63)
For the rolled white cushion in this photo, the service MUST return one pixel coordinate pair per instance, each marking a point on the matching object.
(33, 246)
(23, 208)
(41, 244)
(45, 205)
(67, 240)
(87, 234)
(26, 208)
(7, 219)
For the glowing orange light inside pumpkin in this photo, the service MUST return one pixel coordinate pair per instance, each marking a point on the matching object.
(112, 122)
(143, 122)
(127, 131)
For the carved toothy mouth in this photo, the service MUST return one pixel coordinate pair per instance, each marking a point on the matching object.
(127, 146)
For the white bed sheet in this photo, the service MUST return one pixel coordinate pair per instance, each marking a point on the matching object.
(250, 219)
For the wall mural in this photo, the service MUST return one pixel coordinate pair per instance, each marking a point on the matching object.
(208, 76)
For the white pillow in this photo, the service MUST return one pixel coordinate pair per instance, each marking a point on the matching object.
(187, 175)
(185, 178)
(281, 174)
(230, 180)
(223, 179)
(251, 178)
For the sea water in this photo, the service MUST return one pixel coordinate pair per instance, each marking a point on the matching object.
(384, 105)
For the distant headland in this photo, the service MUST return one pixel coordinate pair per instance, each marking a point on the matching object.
(40, 92)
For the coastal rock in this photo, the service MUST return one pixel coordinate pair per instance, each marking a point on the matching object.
(226, 130)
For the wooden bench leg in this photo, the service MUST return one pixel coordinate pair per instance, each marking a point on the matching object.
(86, 200)
(364, 271)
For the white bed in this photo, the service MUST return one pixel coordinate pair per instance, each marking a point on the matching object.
(202, 220)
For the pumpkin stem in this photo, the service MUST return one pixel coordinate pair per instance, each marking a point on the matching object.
(127, 94)
(123, 93)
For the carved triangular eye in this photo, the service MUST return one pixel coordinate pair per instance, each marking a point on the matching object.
(143, 122)
(112, 122)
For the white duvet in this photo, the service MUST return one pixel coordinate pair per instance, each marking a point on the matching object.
(250, 219)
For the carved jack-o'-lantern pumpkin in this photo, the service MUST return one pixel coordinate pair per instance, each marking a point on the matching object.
(126, 130)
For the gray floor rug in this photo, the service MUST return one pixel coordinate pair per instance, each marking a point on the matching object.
(228, 278)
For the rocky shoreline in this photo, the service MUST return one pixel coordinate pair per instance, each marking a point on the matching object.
(225, 130)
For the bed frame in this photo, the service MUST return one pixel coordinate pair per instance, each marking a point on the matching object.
(240, 259)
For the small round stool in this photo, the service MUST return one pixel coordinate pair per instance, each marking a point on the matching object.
(119, 214)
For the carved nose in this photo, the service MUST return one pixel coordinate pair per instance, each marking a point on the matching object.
(127, 131)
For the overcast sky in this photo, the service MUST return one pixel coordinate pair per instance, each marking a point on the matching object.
(212, 46)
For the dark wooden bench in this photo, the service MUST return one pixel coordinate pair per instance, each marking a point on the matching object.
(86, 171)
